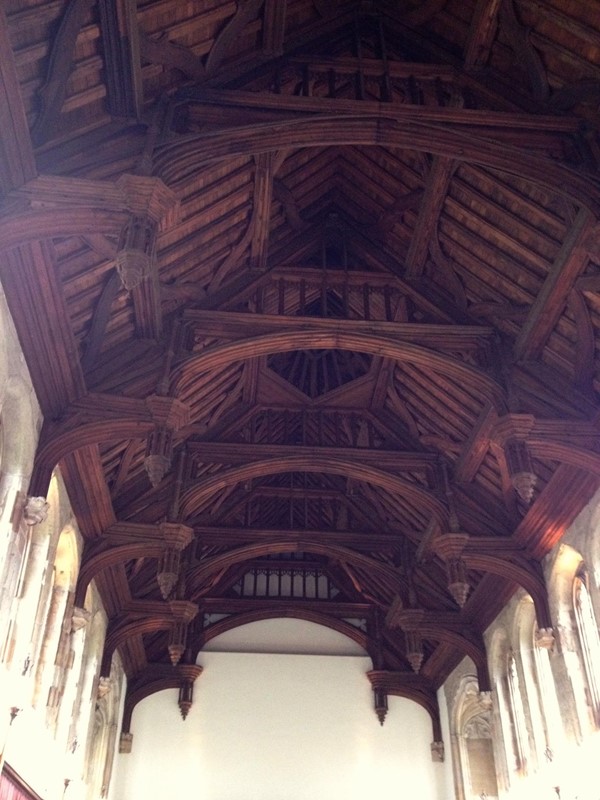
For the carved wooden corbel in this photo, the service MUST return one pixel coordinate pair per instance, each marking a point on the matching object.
(511, 432)
(499, 556)
(413, 687)
(444, 627)
(169, 415)
(156, 678)
(151, 204)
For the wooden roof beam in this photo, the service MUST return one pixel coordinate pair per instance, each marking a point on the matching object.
(233, 325)
(238, 453)
(37, 304)
(17, 162)
(121, 46)
(482, 32)
(498, 124)
(547, 308)
(475, 448)
(273, 31)
(235, 535)
(261, 215)
(433, 201)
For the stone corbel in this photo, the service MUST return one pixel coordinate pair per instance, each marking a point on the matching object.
(35, 510)
(104, 687)
(125, 742)
(79, 618)
(437, 752)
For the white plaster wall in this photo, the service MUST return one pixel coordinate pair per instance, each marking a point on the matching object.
(279, 727)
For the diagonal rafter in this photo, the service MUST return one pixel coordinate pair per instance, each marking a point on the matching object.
(434, 198)
(484, 25)
(568, 265)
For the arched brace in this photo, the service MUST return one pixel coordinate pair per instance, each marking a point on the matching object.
(139, 693)
(527, 576)
(198, 576)
(109, 557)
(179, 161)
(471, 645)
(237, 620)
(412, 687)
(446, 627)
(120, 634)
(423, 498)
(156, 678)
(46, 223)
(565, 453)
(62, 443)
(182, 379)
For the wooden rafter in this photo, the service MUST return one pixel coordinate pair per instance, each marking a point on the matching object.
(484, 25)
(17, 162)
(568, 265)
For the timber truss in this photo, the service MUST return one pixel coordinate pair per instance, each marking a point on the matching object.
(310, 305)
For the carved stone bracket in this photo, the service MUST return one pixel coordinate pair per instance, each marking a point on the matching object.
(35, 510)
(125, 742)
(544, 638)
(80, 618)
(437, 752)
(104, 687)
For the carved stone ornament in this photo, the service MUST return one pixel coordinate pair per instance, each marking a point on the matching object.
(479, 726)
(544, 637)
(437, 752)
(79, 618)
(125, 742)
(104, 687)
(35, 510)
(485, 699)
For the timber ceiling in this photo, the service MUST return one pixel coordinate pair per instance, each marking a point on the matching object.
(310, 296)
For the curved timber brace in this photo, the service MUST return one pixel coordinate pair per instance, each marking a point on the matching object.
(148, 617)
(415, 688)
(503, 557)
(127, 540)
(156, 678)
(447, 627)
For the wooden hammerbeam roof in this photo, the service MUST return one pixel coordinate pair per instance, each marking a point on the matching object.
(363, 349)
